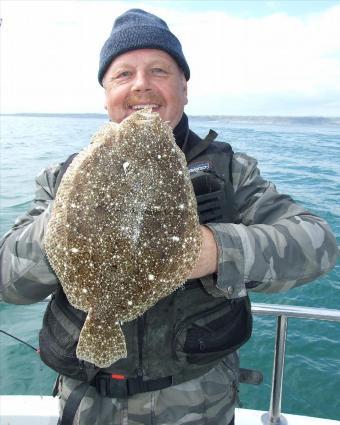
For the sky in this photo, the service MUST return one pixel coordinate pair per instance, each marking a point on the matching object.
(246, 57)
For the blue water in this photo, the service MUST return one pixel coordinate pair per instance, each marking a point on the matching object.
(300, 155)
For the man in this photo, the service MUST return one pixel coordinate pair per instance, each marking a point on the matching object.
(182, 364)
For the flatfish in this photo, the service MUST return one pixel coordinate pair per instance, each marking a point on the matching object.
(124, 229)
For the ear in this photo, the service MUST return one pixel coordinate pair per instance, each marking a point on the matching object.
(185, 90)
(105, 100)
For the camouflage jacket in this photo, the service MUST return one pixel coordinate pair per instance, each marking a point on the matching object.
(273, 242)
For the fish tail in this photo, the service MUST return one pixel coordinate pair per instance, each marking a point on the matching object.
(101, 341)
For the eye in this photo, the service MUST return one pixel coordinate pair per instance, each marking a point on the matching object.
(159, 71)
(123, 74)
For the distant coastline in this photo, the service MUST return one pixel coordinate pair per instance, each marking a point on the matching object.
(56, 114)
(242, 119)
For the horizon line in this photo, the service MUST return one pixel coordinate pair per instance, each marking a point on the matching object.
(101, 114)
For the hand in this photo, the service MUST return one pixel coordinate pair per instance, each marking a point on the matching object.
(207, 262)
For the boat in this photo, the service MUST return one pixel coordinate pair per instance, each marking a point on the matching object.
(43, 410)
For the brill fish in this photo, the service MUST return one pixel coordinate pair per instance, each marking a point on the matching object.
(124, 230)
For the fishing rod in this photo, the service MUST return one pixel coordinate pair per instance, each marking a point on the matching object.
(20, 340)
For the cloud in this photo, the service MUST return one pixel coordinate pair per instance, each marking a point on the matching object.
(49, 57)
(276, 53)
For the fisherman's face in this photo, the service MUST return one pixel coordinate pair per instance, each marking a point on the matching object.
(145, 77)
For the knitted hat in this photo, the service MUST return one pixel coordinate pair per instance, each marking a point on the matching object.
(137, 29)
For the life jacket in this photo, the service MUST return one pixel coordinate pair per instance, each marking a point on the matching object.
(186, 333)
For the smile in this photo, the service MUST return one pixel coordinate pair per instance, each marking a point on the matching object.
(142, 106)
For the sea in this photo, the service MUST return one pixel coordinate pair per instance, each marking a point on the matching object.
(300, 155)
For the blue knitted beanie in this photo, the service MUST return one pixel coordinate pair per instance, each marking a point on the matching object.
(137, 29)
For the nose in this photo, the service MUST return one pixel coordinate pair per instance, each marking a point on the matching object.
(141, 81)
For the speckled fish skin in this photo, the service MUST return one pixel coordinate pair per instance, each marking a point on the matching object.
(124, 230)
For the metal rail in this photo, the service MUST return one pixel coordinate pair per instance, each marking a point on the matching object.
(283, 312)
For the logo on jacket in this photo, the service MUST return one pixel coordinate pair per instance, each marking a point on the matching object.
(194, 167)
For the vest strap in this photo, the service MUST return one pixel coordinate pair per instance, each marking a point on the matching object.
(72, 404)
(108, 386)
(200, 147)
(250, 376)
(64, 167)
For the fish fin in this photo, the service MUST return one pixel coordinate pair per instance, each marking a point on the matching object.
(101, 341)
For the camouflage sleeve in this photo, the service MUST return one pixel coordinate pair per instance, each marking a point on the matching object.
(25, 274)
(275, 245)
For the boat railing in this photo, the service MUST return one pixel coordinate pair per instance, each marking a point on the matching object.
(283, 313)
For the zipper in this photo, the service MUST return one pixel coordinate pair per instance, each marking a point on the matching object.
(140, 337)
